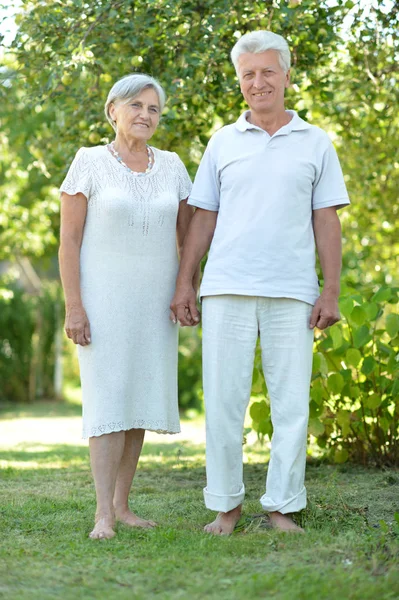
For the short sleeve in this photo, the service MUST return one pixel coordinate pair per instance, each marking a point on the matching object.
(78, 179)
(183, 179)
(329, 187)
(206, 189)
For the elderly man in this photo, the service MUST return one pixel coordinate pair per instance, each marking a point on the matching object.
(267, 193)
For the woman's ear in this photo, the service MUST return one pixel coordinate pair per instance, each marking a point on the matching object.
(112, 112)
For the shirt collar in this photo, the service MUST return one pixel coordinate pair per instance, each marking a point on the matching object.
(296, 123)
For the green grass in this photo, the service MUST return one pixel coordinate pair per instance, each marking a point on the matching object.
(350, 551)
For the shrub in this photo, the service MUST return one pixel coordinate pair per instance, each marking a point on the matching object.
(190, 369)
(17, 326)
(354, 397)
(27, 338)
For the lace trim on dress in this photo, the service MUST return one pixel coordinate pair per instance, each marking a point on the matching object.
(157, 426)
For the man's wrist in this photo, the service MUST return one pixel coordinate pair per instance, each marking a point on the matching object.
(331, 290)
(184, 282)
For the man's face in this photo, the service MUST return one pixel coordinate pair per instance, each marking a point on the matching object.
(262, 81)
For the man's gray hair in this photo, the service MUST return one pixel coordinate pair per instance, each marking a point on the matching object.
(129, 87)
(260, 41)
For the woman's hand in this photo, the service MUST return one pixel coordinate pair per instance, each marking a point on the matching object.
(77, 325)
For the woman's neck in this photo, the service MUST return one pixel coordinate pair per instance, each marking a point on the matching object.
(134, 146)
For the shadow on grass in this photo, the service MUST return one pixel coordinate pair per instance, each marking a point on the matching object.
(42, 454)
(42, 409)
(346, 496)
(153, 454)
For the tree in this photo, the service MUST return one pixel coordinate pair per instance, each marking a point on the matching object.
(70, 53)
(67, 54)
(359, 105)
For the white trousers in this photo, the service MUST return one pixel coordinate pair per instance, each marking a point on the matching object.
(231, 325)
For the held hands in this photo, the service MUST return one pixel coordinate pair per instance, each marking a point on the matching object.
(183, 308)
(77, 326)
(325, 312)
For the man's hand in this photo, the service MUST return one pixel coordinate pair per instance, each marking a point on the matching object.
(325, 312)
(184, 307)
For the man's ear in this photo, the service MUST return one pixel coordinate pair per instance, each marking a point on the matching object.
(288, 79)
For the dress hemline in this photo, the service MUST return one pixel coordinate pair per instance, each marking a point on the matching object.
(105, 429)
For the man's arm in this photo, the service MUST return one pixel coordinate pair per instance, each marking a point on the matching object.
(327, 232)
(196, 243)
(184, 216)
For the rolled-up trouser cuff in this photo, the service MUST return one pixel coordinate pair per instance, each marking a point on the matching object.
(223, 503)
(293, 504)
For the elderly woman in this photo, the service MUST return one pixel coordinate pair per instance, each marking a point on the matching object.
(122, 207)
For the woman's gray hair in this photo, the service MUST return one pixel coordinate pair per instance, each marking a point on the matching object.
(260, 41)
(129, 87)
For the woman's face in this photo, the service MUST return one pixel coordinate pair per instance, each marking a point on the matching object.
(139, 117)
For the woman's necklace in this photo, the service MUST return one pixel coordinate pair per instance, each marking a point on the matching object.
(113, 150)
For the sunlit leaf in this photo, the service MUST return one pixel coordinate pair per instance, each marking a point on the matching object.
(336, 335)
(372, 310)
(361, 336)
(315, 427)
(383, 294)
(358, 315)
(335, 383)
(346, 306)
(373, 401)
(259, 411)
(320, 363)
(368, 365)
(353, 357)
(341, 456)
(392, 325)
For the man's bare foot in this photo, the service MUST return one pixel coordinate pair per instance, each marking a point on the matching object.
(284, 523)
(132, 520)
(103, 529)
(224, 523)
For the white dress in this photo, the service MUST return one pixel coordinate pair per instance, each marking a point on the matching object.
(128, 268)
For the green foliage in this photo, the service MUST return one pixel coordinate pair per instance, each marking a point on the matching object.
(71, 62)
(17, 326)
(55, 79)
(27, 354)
(190, 369)
(360, 108)
(354, 399)
(66, 56)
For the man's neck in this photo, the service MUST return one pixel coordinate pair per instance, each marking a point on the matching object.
(270, 122)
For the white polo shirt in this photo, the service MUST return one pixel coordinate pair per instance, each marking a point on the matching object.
(265, 189)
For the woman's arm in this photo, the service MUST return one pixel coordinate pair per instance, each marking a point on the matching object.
(73, 217)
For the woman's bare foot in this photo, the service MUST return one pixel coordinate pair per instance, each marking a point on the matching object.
(284, 523)
(224, 523)
(132, 520)
(103, 529)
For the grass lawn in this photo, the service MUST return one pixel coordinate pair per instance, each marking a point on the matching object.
(350, 550)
